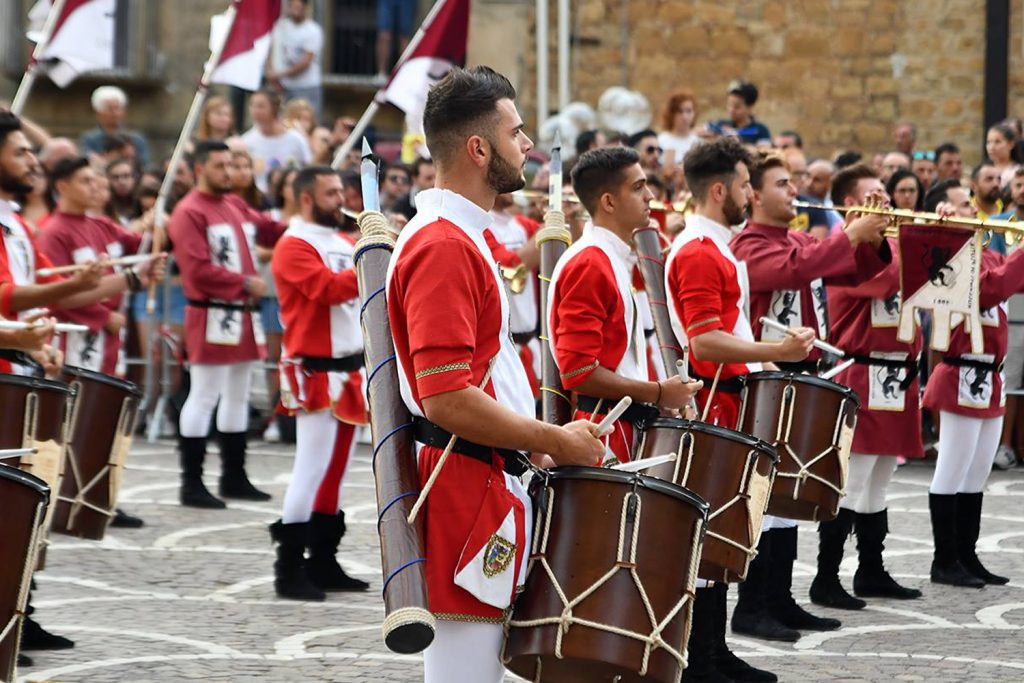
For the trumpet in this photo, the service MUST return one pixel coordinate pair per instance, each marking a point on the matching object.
(677, 207)
(516, 277)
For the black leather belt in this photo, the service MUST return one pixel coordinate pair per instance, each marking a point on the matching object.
(732, 385)
(523, 338)
(637, 413)
(911, 365)
(430, 434)
(223, 305)
(959, 362)
(345, 364)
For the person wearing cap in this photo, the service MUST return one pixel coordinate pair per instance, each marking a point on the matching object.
(742, 97)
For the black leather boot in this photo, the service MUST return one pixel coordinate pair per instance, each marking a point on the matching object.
(871, 579)
(700, 658)
(752, 616)
(780, 596)
(726, 661)
(325, 533)
(946, 567)
(290, 578)
(234, 483)
(35, 637)
(968, 526)
(193, 491)
(826, 590)
(122, 520)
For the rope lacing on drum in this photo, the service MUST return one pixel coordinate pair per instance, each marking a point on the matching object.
(782, 436)
(32, 556)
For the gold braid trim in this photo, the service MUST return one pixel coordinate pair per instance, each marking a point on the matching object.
(580, 371)
(471, 618)
(438, 369)
(702, 323)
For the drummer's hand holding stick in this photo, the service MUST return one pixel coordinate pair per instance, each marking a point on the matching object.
(798, 340)
(50, 358)
(39, 328)
(148, 273)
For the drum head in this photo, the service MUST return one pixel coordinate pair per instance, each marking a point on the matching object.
(71, 372)
(627, 478)
(35, 383)
(715, 430)
(801, 378)
(25, 479)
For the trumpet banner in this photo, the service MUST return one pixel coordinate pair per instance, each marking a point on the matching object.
(940, 271)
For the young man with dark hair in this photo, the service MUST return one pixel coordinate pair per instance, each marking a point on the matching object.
(948, 165)
(952, 192)
(740, 100)
(788, 272)
(320, 382)
(597, 338)
(214, 233)
(461, 375)
(986, 190)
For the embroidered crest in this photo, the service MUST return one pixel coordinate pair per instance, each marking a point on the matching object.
(498, 555)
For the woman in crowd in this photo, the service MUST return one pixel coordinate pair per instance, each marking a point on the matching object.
(905, 190)
(1001, 148)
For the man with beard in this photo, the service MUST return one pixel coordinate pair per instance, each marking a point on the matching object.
(460, 374)
(214, 233)
(985, 190)
(123, 206)
(788, 266)
(597, 338)
(706, 286)
(320, 382)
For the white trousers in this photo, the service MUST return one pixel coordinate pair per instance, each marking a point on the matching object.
(224, 388)
(323, 450)
(967, 447)
(464, 652)
(867, 482)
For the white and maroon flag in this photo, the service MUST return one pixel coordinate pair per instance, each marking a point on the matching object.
(245, 51)
(940, 271)
(82, 38)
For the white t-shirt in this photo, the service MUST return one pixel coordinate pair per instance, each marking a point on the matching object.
(679, 146)
(280, 151)
(291, 42)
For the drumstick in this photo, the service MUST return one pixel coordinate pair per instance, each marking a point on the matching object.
(684, 374)
(59, 327)
(837, 369)
(637, 465)
(605, 425)
(75, 267)
(817, 343)
(16, 452)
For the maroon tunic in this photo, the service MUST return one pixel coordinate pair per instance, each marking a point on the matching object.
(864, 322)
(214, 238)
(970, 391)
(76, 238)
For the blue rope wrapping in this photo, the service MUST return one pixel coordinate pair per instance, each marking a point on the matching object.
(363, 250)
(395, 573)
(373, 373)
(366, 303)
(394, 500)
(373, 460)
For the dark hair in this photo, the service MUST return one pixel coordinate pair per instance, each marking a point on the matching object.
(902, 174)
(585, 140)
(305, 181)
(617, 138)
(845, 181)
(111, 142)
(762, 164)
(635, 138)
(273, 97)
(119, 161)
(9, 123)
(351, 179)
(712, 162)
(1010, 134)
(418, 165)
(946, 148)
(462, 104)
(797, 140)
(977, 169)
(745, 91)
(67, 167)
(939, 193)
(205, 148)
(599, 171)
(848, 158)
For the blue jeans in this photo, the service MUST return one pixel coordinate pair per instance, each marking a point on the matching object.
(396, 16)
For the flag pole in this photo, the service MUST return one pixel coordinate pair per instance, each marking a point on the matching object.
(29, 77)
(542, 63)
(371, 110)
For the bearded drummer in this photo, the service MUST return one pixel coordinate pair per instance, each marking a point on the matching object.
(460, 375)
(597, 335)
(707, 289)
(788, 271)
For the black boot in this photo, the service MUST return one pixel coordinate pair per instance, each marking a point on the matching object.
(290, 578)
(780, 596)
(234, 483)
(946, 567)
(751, 616)
(968, 526)
(826, 590)
(725, 660)
(35, 637)
(700, 657)
(193, 491)
(871, 579)
(24, 660)
(123, 520)
(325, 533)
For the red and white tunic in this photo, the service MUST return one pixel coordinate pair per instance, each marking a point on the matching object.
(449, 318)
(319, 297)
(214, 238)
(707, 289)
(77, 238)
(972, 391)
(595, 321)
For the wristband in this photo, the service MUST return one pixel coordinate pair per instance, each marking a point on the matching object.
(657, 401)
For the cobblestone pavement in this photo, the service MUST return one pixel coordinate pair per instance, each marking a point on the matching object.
(190, 596)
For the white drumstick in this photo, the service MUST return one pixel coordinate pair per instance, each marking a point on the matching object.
(637, 465)
(122, 261)
(817, 343)
(15, 452)
(60, 327)
(837, 369)
(682, 367)
(614, 414)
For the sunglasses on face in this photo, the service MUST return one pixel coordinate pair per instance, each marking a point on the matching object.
(653, 149)
(401, 179)
(923, 156)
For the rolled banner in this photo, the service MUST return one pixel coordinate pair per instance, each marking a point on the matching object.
(651, 260)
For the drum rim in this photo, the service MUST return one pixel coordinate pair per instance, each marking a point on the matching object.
(126, 385)
(733, 434)
(804, 378)
(22, 477)
(643, 481)
(35, 382)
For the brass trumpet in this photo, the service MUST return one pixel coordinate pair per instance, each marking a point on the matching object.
(516, 277)
(678, 207)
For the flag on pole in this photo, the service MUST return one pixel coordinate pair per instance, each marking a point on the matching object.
(82, 39)
(245, 52)
(442, 47)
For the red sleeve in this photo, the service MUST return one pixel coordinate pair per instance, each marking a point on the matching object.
(773, 265)
(502, 254)
(582, 312)
(696, 279)
(881, 286)
(297, 264)
(187, 230)
(1003, 279)
(442, 307)
(54, 249)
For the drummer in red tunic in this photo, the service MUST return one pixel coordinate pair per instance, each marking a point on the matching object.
(863, 322)
(597, 335)
(320, 383)
(214, 234)
(707, 289)
(460, 374)
(788, 271)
